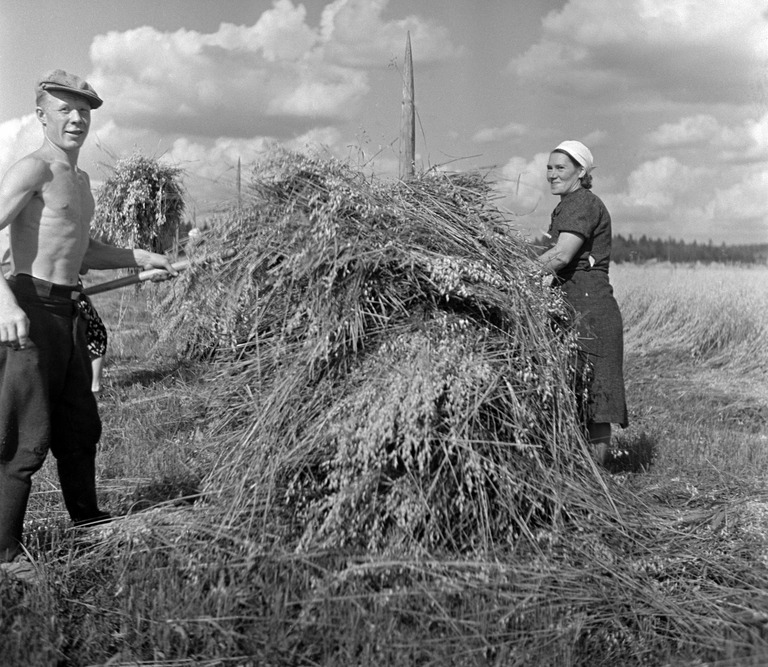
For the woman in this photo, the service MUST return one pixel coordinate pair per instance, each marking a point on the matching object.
(96, 336)
(579, 260)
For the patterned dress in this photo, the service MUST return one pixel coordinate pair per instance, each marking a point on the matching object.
(96, 332)
(586, 287)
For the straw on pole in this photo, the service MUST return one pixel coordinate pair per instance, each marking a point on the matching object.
(408, 118)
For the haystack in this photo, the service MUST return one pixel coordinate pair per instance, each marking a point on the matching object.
(141, 204)
(393, 375)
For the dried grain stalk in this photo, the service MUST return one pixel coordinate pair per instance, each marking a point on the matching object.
(140, 204)
(400, 377)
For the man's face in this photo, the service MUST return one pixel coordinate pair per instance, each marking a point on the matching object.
(66, 119)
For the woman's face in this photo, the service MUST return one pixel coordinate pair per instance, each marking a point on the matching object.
(563, 175)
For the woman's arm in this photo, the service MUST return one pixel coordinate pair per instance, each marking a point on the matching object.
(561, 255)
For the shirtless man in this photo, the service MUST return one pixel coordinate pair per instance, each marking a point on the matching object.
(45, 373)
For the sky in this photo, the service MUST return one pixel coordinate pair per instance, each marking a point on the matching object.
(671, 96)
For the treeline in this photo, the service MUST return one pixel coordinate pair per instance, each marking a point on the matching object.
(643, 249)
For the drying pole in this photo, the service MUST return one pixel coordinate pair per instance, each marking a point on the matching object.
(239, 200)
(407, 118)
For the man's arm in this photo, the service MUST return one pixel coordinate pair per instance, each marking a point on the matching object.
(19, 185)
(17, 188)
(102, 256)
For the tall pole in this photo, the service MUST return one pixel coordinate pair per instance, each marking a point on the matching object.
(238, 184)
(408, 117)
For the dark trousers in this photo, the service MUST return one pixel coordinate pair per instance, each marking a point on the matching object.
(46, 403)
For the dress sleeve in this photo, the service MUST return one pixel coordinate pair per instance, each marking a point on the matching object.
(578, 215)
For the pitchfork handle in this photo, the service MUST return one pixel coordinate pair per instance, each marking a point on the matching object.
(155, 275)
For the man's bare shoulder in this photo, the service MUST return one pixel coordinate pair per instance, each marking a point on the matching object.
(31, 172)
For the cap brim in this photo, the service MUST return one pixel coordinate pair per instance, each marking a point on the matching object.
(94, 100)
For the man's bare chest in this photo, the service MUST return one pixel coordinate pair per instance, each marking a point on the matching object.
(68, 198)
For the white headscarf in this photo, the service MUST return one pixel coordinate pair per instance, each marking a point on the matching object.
(579, 152)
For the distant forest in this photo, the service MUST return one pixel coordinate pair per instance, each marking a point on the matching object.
(630, 249)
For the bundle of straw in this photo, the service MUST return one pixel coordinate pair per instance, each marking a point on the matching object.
(140, 204)
(396, 378)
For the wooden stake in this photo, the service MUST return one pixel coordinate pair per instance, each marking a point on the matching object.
(239, 201)
(408, 118)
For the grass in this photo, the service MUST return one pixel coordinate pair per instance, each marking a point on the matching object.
(155, 601)
(678, 577)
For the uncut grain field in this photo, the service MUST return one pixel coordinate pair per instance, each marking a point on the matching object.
(659, 560)
(697, 366)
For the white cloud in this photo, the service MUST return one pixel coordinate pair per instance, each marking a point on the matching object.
(214, 162)
(660, 198)
(184, 81)
(281, 33)
(493, 134)
(682, 50)
(668, 197)
(658, 183)
(343, 23)
(594, 138)
(278, 76)
(745, 200)
(523, 183)
(203, 100)
(18, 137)
(318, 138)
(747, 142)
(692, 130)
(210, 167)
(211, 160)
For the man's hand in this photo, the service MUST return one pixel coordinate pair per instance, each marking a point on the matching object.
(153, 260)
(14, 326)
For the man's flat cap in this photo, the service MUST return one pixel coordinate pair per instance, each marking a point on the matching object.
(60, 80)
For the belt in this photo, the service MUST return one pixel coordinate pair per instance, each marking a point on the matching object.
(47, 288)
